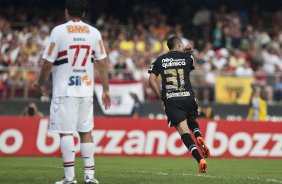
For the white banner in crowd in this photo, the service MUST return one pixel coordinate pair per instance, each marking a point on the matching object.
(122, 102)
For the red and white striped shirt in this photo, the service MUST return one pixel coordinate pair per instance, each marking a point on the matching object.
(72, 48)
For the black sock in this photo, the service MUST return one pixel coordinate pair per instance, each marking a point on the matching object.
(194, 127)
(189, 143)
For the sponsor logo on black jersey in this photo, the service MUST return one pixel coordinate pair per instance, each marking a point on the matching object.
(170, 62)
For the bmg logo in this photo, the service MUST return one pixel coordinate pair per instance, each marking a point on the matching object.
(79, 80)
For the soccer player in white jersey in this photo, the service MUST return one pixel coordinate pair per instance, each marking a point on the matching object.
(70, 54)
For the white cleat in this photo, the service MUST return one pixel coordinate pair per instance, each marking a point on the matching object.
(66, 181)
(91, 181)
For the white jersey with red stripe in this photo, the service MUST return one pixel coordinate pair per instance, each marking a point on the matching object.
(72, 48)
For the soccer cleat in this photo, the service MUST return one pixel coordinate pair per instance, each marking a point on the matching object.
(202, 166)
(66, 181)
(91, 181)
(205, 150)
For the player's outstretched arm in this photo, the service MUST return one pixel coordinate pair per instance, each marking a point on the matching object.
(43, 75)
(103, 72)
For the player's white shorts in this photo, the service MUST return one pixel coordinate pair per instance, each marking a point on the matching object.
(70, 114)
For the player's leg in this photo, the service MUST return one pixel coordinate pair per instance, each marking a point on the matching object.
(192, 110)
(183, 130)
(194, 127)
(64, 122)
(87, 152)
(84, 128)
(68, 155)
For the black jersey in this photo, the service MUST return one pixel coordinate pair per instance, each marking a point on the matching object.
(174, 68)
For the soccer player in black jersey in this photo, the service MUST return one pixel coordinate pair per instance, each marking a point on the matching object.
(178, 97)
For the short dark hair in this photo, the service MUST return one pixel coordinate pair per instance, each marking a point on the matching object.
(173, 41)
(76, 8)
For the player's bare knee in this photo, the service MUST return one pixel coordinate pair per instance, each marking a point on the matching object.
(85, 137)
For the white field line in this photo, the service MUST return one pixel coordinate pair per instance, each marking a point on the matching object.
(269, 180)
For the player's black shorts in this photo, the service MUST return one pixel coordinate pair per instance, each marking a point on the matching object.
(177, 110)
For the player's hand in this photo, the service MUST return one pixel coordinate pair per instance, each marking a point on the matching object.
(106, 99)
(39, 90)
(189, 49)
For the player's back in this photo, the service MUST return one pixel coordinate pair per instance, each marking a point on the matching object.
(73, 47)
(175, 68)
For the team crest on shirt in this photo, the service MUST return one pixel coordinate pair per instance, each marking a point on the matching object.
(85, 80)
(51, 48)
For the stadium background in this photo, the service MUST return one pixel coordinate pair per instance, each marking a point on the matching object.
(238, 42)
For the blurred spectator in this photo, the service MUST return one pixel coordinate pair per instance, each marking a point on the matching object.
(236, 59)
(227, 38)
(277, 88)
(225, 42)
(221, 59)
(125, 44)
(235, 29)
(210, 80)
(261, 81)
(277, 20)
(29, 48)
(218, 36)
(257, 105)
(271, 60)
(244, 71)
(255, 17)
(122, 68)
(31, 110)
(206, 112)
(201, 17)
(17, 79)
(201, 20)
(137, 105)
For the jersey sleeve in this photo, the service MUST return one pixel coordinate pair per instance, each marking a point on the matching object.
(100, 52)
(154, 68)
(51, 49)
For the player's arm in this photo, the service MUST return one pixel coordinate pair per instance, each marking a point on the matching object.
(102, 63)
(103, 72)
(104, 77)
(43, 76)
(153, 81)
(50, 55)
(189, 49)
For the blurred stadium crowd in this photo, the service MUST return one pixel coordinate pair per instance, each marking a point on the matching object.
(226, 42)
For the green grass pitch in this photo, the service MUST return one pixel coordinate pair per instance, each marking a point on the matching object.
(132, 170)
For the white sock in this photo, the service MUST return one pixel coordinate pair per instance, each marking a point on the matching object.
(68, 154)
(87, 152)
